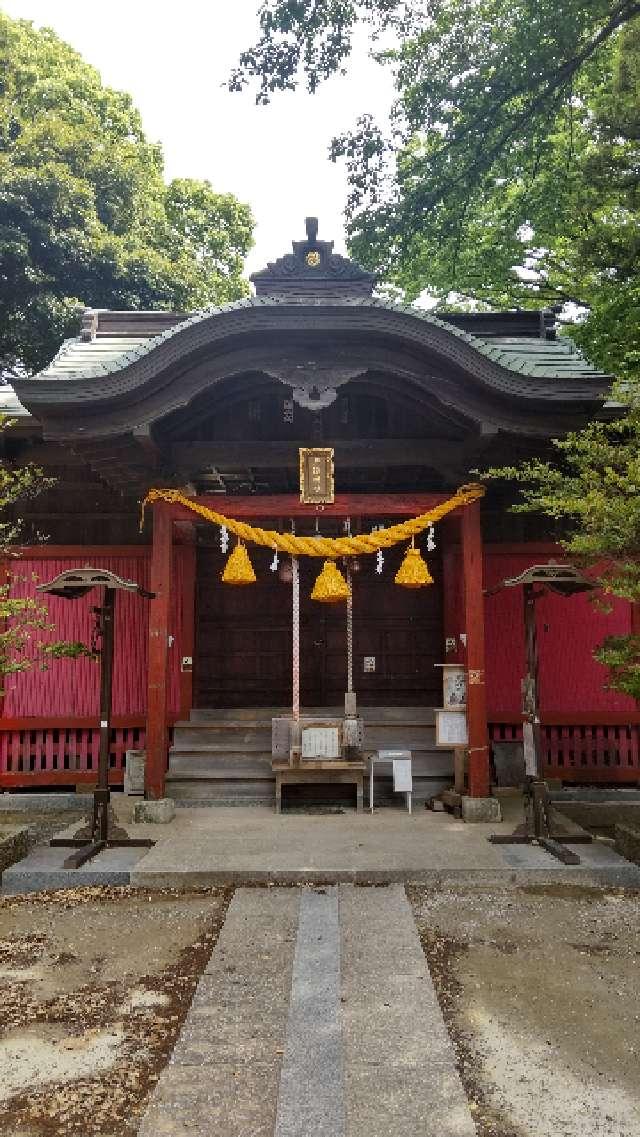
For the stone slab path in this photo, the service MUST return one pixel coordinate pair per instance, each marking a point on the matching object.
(315, 1017)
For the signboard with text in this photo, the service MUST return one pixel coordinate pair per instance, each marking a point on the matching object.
(316, 475)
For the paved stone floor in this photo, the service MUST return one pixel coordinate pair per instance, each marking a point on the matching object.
(315, 1016)
(251, 844)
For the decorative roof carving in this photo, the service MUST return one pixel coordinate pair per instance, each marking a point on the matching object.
(313, 270)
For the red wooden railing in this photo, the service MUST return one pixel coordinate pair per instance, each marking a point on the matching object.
(50, 752)
(601, 752)
(55, 752)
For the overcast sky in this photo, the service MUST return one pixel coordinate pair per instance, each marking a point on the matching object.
(174, 60)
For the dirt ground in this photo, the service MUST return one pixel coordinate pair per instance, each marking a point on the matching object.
(95, 985)
(41, 825)
(540, 987)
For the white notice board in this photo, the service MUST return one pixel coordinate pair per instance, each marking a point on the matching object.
(321, 742)
(402, 779)
(451, 728)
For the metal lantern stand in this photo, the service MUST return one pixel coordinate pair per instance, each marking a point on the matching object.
(71, 585)
(537, 828)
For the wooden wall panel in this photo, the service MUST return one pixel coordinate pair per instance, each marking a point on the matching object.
(571, 681)
(71, 688)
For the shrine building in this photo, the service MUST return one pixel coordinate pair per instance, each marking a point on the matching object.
(216, 406)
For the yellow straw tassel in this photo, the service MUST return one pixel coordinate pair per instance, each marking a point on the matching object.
(330, 587)
(238, 569)
(414, 571)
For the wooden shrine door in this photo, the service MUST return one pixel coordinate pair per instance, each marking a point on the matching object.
(243, 638)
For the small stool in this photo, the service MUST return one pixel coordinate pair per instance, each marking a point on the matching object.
(391, 756)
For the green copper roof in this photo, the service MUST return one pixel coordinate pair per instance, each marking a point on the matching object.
(106, 354)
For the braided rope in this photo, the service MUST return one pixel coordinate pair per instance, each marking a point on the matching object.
(350, 633)
(320, 546)
(295, 608)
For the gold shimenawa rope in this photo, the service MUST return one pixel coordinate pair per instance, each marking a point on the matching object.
(320, 546)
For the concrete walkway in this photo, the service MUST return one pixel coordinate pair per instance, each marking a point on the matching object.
(316, 1016)
(249, 845)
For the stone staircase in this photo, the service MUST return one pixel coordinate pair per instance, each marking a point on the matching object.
(224, 756)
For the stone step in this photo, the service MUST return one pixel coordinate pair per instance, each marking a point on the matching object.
(376, 737)
(227, 791)
(223, 725)
(188, 738)
(378, 714)
(189, 768)
(425, 763)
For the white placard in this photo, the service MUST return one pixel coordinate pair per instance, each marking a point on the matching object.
(451, 728)
(529, 750)
(402, 780)
(321, 742)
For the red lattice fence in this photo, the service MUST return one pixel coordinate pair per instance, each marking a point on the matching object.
(34, 753)
(589, 753)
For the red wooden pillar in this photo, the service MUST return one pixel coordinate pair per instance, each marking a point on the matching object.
(159, 617)
(188, 623)
(451, 591)
(473, 599)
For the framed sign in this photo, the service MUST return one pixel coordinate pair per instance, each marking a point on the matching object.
(454, 686)
(451, 728)
(321, 741)
(316, 475)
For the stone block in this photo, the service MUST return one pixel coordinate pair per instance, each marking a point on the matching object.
(14, 845)
(135, 761)
(628, 842)
(481, 809)
(158, 812)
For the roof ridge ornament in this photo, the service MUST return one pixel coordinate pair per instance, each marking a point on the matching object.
(313, 271)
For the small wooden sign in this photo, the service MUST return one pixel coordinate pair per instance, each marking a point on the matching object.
(451, 728)
(316, 475)
(321, 741)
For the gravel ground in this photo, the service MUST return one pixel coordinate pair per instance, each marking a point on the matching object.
(95, 985)
(41, 826)
(540, 987)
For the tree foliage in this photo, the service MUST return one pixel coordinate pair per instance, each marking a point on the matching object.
(86, 217)
(509, 175)
(510, 171)
(23, 619)
(594, 489)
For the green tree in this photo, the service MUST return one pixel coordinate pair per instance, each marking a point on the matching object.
(86, 217)
(510, 174)
(23, 620)
(594, 490)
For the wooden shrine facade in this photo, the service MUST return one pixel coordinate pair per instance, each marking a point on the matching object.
(220, 402)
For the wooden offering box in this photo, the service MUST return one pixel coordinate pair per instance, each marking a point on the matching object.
(317, 759)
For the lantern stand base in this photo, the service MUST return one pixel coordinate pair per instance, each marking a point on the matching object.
(537, 828)
(89, 847)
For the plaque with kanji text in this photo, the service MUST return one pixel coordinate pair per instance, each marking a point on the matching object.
(316, 475)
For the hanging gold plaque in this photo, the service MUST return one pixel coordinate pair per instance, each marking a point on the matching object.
(316, 475)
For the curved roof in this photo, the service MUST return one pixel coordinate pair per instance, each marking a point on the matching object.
(314, 317)
(109, 352)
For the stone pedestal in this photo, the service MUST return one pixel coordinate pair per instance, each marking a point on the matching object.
(154, 812)
(481, 809)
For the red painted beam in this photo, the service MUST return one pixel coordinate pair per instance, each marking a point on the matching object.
(289, 505)
(473, 603)
(157, 738)
(54, 552)
(614, 775)
(574, 718)
(29, 780)
(68, 722)
(187, 645)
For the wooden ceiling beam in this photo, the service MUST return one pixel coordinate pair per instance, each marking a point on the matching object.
(289, 505)
(374, 453)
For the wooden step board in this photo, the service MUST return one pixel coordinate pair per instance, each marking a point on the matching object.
(224, 755)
